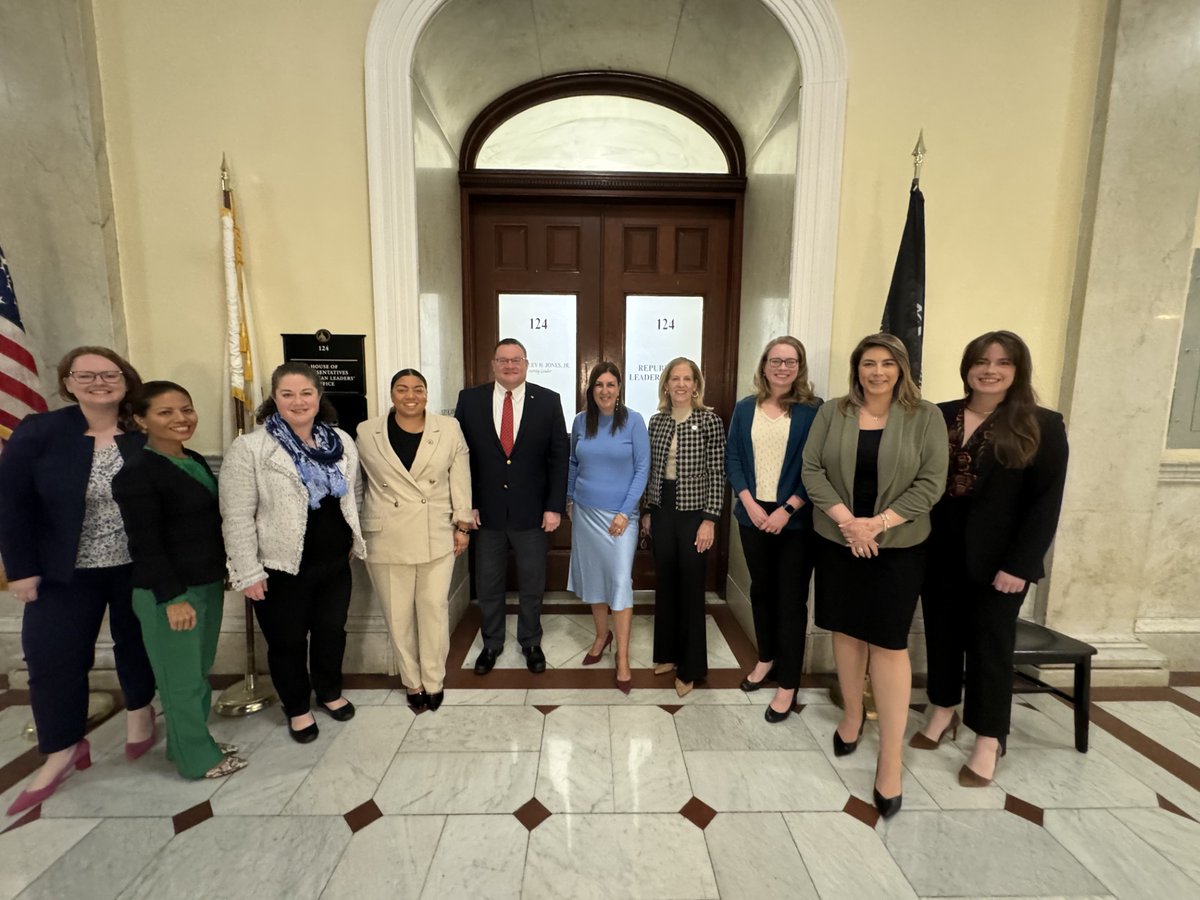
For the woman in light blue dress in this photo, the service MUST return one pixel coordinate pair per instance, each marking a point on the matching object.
(610, 460)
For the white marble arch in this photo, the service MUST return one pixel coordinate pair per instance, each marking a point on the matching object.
(391, 44)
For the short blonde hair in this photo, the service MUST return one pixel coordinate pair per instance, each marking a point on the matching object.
(664, 398)
(906, 392)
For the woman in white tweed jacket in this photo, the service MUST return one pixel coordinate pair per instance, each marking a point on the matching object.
(290, 525)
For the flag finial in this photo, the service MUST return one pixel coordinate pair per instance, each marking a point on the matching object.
(224, 174)
(918, 156)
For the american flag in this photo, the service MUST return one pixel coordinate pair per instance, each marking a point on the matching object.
(20, 387)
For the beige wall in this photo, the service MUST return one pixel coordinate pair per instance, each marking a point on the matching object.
(278, 86)
(1003, 89)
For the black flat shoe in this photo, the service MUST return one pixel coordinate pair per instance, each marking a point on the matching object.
(341, 714)
(418, 701)
(748, 686)
(773, 716)
(845, 748)
(304, 735)
(887, 806)
(435, 700)
(535, 659)
(486, 661)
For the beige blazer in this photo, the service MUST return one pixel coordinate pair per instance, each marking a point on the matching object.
(408, 517)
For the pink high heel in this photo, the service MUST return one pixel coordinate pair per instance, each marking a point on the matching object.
(590, 660)
(135, 749)
(81, 758)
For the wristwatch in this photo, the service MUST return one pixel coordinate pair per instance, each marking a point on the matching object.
(791, 510)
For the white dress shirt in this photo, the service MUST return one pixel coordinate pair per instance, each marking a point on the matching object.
(518, 401)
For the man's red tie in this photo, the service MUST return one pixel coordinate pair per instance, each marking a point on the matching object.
(506, 424)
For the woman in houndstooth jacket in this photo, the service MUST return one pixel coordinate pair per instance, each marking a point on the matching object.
(684, 495)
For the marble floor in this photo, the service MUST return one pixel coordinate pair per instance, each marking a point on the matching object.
(559, 786)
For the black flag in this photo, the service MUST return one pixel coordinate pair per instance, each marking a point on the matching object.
(904, 313)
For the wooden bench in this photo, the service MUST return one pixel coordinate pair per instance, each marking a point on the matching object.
(1038, 645)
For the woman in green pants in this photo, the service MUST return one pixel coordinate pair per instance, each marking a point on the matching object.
(168, 500)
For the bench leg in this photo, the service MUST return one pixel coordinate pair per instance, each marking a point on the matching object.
(1083, 699)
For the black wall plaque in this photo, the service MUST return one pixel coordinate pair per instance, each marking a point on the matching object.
(340, 361)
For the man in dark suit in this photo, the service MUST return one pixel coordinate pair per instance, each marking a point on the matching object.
(519, 449)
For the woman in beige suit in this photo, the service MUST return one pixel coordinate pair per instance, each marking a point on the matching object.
(416, 519)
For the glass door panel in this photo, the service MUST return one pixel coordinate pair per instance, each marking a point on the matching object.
(657, 330)
(546, 325)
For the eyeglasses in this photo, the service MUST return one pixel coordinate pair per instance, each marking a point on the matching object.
(112, 376)
(779, 362)
(508, 360)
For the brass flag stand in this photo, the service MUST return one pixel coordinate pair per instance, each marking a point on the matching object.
(252, 693)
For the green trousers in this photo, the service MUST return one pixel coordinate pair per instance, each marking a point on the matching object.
(181, 661)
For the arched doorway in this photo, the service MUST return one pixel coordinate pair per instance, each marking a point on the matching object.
(634, 266)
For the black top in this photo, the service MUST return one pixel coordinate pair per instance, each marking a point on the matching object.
(866, 473)
(327, 536)
(1008, 519)
(404, 443)
(173, 522)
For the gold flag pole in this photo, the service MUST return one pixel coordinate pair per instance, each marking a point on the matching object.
(252, 693)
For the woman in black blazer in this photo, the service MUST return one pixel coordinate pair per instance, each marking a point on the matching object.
(168, 500)
(991, 531)
(67, 560)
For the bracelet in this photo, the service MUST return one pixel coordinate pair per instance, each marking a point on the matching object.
(465, 531)
(883, 518)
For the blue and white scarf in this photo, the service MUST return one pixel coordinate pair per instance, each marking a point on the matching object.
(317, 465)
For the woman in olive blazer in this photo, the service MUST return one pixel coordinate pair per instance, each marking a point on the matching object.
(874, 466)
(416, 518)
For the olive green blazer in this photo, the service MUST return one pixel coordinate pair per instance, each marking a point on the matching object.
(913, 459)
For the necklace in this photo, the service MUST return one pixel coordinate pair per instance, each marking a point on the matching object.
(978, 413)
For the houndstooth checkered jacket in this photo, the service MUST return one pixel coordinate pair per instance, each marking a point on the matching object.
(699, 461)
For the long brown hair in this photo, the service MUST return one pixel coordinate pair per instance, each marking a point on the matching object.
(133, 381)
(801, 390)
(1014, 427)
(620, 414)
(906, 392)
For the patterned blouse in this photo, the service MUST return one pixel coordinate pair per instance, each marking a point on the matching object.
(102, 543)
(964, 456)
(700, 461)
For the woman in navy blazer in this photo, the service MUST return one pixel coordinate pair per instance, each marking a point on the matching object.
(66, 556)
(763, 460)
(991, 531)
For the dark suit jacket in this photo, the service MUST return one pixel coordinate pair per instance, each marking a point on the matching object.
(43, 479)
(513, 492)
(174, 525)
(1014, 512)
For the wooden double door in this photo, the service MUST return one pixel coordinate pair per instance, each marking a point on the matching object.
(582, 280)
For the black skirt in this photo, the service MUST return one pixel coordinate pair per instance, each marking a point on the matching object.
(871, 599)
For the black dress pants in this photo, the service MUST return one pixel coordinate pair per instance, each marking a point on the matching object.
(491, 565)
(303, 618)
(970, 635)
(679, 635)
(58, 636)
(780, 569)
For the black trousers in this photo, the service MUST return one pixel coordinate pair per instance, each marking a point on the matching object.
(58, 635)
(780, 570)
(970, 634)
(679, 635)
(491, 566)
(303, 618)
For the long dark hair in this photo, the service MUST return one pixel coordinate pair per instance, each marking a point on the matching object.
(325, 412)
(133, 381)
(1015, 431)
(140, 405)
(620, 414)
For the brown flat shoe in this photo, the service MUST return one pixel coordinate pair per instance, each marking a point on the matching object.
(227, 766)
(683, 688)
(664, 668)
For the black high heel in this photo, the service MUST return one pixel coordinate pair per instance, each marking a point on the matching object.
(845, 748)
(773, 716)
(417, 701)
(435, 700)
(747, 685)
(887, 806)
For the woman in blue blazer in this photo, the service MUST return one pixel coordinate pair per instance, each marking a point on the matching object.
(763, 460)
(67, 560)
(991, 530)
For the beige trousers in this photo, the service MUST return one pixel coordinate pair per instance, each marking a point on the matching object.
(416, 606)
